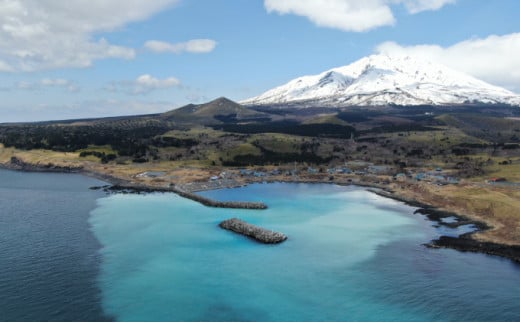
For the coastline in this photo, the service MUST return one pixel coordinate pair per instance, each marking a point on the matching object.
(466, 242)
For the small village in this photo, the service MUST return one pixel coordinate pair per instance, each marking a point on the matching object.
(351, 173)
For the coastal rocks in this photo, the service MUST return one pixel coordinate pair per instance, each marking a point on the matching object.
(436, 215)
(253, 231)
(466, 243)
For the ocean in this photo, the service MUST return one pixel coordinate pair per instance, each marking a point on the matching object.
(70, 253)
(49, 257)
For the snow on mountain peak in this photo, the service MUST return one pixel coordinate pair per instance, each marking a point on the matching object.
(382, 80)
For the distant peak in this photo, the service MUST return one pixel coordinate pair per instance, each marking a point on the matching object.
(222, 98)
(381, 79)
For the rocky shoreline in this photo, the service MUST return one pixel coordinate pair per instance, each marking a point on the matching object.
(259, 234)
(464, 242)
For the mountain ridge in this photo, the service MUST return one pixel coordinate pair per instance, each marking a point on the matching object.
(379, 80)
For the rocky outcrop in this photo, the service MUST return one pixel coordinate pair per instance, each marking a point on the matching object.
(253, 231)
(466, 243)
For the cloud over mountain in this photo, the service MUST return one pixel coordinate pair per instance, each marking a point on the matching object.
(494, 59)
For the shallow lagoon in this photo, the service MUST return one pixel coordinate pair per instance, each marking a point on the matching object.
(351, 256)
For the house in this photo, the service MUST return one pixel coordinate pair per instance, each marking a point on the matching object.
(452, 180)
(311, 170)
(275, 172)
(345, 170)
(420, 176)
(378, 169)
(246, 172)
(400, 177)
(497, 180)
(259, 174)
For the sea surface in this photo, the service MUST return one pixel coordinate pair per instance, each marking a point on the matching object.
(49, 257)
(351, 256)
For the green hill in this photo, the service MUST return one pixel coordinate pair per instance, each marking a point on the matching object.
(216, 111)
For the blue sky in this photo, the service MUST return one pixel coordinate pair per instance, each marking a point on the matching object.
(86, 58)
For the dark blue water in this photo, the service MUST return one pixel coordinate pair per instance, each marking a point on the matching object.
(49, 259)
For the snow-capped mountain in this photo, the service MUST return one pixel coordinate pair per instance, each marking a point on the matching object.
(381, 80)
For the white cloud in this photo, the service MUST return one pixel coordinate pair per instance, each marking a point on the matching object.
(191, 46)
(60, 83)
(24, 85)
(69, 85)
(147, 81)
(54, 82)
(347, 15)
(37, 35)
(143, 85)
(4, 67)
(415, 6)
(350, 15)
(103, 108)
(493, 59)
(81, 109)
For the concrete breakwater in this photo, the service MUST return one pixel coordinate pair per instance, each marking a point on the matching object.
(192, 196)
(222, 204)
(253, 231)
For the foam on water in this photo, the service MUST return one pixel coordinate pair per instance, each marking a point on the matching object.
(166, 259)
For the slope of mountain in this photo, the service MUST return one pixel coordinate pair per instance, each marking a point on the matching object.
(214, 111)
(383, 80)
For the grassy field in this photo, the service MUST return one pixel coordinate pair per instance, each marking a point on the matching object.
(511, 172)
(40, 156)
(281, 143)
(495, 206)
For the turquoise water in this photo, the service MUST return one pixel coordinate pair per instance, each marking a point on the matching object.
(350, 256)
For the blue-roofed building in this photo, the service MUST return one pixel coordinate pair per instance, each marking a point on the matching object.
(420, 176)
